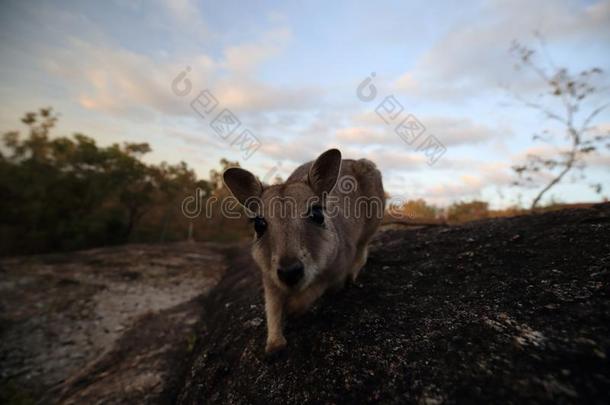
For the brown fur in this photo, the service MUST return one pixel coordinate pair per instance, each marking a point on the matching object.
(331, 254)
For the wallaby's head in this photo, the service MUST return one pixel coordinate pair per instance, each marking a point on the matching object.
(294, 237)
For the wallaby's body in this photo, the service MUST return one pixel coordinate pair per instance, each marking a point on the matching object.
(312, 232)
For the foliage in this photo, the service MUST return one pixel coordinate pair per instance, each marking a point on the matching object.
(467, 211)
(65, 193)
(419, 210)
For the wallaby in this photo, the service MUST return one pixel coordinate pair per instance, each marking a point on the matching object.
(311, 232)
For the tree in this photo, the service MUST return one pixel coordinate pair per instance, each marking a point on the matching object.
(419, 210)
(574, 93)
(216, 175)
(176, 182)
(67, 193)
(467, 211)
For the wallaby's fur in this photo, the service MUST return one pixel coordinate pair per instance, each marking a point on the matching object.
(338, 205)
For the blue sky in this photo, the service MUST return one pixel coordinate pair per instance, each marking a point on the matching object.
(289, 72)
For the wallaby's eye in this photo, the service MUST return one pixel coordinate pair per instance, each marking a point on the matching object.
(260, 225)
(316, 214)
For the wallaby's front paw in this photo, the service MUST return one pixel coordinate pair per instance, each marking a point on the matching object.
(275, 345)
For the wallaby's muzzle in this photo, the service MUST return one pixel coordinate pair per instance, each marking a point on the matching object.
(290, 272)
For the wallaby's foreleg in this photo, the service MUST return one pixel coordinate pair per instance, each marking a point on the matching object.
(299, 304)
(274, 311)
(360, 261)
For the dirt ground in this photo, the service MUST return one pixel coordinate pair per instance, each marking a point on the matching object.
(110, 325)
(510, 310)
(497, 311)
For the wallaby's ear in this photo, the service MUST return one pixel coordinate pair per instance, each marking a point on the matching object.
(243, 185)
(324, 172)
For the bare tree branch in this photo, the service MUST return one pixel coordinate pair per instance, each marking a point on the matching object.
(592, 115)
(571, 90)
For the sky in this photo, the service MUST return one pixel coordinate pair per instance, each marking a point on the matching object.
(274, 84)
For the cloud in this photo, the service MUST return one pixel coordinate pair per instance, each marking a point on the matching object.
(597, 159)
(398, 161)
(103, 76)
(451, 131)
(461, 131)
(289, 155)
(199, 140)
(186, 16)
(297, 148)
(249, 95)
(306, 144)
(460, 185)
(365, 136)
(297, 152)
(473, 58)
(116, 80)
(245, 58)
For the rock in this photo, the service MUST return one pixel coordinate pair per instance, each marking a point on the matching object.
(492, 332)
(254, 322)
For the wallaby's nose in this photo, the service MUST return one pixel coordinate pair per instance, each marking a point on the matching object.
(290, 271)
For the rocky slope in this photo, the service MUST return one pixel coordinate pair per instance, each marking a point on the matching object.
(108, 325)
(497, 311)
